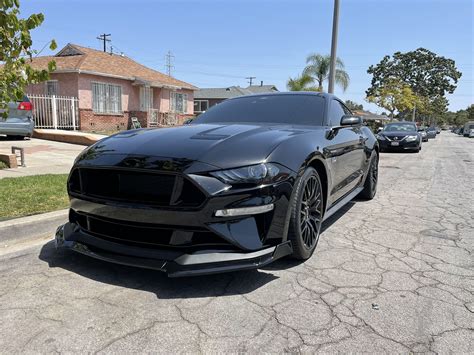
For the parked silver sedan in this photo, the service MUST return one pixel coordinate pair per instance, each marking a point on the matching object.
(19, 123)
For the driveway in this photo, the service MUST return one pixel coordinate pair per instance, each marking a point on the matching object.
(395, 274)
(41, 156)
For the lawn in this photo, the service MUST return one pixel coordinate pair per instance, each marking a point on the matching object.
(27, 195)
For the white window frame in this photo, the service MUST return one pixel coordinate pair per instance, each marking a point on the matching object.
(54, 84)
(200, 102)
(178, 102)
(106, 98)
(146, 98)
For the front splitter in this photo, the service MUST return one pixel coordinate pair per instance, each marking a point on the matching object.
(199, 263)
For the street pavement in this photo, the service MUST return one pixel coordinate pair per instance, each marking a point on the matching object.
(41, 156)
(395, 274)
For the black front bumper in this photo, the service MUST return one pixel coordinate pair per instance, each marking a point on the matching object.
(402, 145)
(175, 264)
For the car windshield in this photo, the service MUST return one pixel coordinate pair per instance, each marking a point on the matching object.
(286, 109)
(393, 127)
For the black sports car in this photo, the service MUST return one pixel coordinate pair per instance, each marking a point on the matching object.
(247, 182)
(399, 136)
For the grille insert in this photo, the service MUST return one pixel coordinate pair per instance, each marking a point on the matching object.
(135, 187)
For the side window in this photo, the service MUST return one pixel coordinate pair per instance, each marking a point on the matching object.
(336, 112)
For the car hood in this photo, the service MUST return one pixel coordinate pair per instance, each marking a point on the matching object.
(221, 146)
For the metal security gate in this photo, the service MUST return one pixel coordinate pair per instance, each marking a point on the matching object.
(57, 112)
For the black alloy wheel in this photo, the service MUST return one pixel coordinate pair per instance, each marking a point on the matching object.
(370, 185)
(307, 214)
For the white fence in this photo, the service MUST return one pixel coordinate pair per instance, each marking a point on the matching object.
(58, 112)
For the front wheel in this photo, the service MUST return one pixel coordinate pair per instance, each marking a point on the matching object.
(370, 185)
(307, 210)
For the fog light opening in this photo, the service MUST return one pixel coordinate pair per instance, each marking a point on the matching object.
(244, 211)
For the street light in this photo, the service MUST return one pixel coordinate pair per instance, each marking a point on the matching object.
(332, 68)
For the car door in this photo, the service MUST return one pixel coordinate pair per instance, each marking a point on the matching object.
(344, 152)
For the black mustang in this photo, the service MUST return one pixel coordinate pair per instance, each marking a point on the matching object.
(248, 182)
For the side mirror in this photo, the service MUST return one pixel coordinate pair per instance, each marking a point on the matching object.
(380, 129)
(350, 120)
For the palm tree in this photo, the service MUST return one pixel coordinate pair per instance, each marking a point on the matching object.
(318, 69)
(301, 83)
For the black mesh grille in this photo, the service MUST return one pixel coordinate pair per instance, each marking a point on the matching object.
(147, 235)
(137, 187)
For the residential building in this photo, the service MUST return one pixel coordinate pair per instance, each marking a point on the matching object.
(112, 88)
(208, 97)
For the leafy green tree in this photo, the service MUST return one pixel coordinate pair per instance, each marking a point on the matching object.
(395, 96)
(301, 83)
(318, 69)
(428, 74)
(16, 51)
(351, 105)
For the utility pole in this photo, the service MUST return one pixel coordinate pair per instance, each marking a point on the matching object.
(413, 114)
(250, 79)
(103, 38)
(332, 68)
(169, 62)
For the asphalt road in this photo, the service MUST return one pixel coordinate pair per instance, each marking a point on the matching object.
(395, 274)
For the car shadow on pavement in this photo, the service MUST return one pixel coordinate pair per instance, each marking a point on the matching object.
(232, 283)
(155, 281)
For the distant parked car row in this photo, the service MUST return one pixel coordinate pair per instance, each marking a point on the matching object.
(19, 123)
(466, 131)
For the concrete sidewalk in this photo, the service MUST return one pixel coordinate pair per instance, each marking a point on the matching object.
(41, 157)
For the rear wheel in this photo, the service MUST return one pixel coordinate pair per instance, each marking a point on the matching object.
(370, 185)
(306, 214)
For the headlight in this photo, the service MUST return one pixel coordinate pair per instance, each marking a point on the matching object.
(412, 138)
(380, 137)
(253, 174)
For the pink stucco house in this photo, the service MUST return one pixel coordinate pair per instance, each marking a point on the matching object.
(112, 88)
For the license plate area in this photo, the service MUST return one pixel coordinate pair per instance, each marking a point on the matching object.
(395, 144)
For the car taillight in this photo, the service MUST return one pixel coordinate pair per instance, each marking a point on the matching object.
(27, 106)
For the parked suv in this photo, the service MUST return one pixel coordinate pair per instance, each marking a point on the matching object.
(19, 122)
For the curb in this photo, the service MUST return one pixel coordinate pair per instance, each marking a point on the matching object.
(24, 228)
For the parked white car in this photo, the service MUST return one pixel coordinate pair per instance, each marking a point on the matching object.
(471, 133)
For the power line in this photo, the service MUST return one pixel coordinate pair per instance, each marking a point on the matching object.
(169, 66)
(103, 38)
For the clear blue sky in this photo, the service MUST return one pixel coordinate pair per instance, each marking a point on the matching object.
(219, 43)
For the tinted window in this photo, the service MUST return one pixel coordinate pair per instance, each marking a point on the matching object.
(286, 109)
(391, 127)
(335, 113)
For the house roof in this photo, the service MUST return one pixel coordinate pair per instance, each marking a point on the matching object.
(221, 93)
(74, 58)
(261, 89)
(232, 91)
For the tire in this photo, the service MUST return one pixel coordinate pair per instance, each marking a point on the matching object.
(370, 184)
(307, 209)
